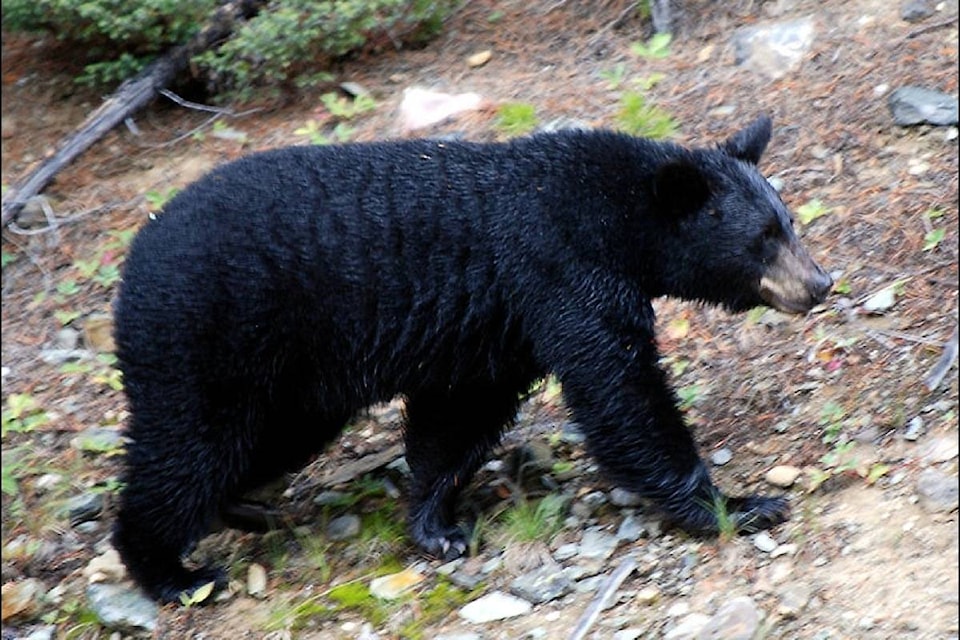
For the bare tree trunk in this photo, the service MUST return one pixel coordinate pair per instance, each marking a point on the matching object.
(129, 97)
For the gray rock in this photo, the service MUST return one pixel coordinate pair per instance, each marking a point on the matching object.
(597, 544)
(914, 429)
(631, 529)
(67, 339)
(98, 440)
(122, 607)
(344, 527)
(793, 600)
(84, 508)
(564, 124)
(773, 49)
(42, 633)
(542, 584)
(916, 105)
(721, 457)
(623, 498)
(737, 619)
(937, 490)
(494, 606)
(764, 542)
(916, 10)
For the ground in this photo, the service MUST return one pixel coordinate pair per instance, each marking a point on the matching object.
(838, 393)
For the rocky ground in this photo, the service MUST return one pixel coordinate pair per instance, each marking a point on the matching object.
(837, 408)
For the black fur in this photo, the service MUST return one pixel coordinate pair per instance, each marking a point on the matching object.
(284, 292)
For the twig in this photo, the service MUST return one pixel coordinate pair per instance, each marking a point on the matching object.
(928, 28)
(947, 358)
(903, 336)
(603, 598)
(55, 223)
(166, 93)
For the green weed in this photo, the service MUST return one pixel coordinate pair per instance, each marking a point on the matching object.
(810, 211)
(638, 118)
(657, 46)
(529, 521)
(516, 118)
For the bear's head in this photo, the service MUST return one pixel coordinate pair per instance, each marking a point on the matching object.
(729, 236)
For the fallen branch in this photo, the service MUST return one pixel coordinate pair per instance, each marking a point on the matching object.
(603, 598)
(947, 358)
(129, 98)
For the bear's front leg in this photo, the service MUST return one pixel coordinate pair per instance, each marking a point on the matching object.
(448, 435)
(636, 433)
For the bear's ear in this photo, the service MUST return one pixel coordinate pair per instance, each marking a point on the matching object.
(680, 188)
(748, 144)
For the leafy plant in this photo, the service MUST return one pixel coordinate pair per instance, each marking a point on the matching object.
(657, 46)
(157, 199)
(528, 522)
(22, 414)
(614, 76)
(639, 118)
(933, 238)
(810, 211)
(516, 118)
(689, 395)
(345, 108)
(285, 41)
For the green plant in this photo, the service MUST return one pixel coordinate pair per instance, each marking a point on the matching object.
(516, 118)
(528, 521)
(22, 414)
(933, 238)
(689, 396)
(727, 525)
(284, 41)
(810, 211)
(157, 199)
(345, 108)
(614, 76)
(638, 118)
(657, 46)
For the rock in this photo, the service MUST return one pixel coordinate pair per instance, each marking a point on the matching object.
(542, 585)
(60, 356)
(459, 636)
(631, 529)
(423, 107)
(915, 105)
(630, 633)
(782, 476)
(597, 544)
(344, 527)
(648, 595)
(564, 124)
(721, 457)
(393, 586)
(687, 628)
(480, 58)
(84, 508)
(98, 440)
(331, 498)
(773, 49)
(915, 10)
(21, 599)
(737, 619)
(793, 600)
(42, 633)
(623, 498)
(940, 450)
(98, 333)
(67, 339)
(495, 605)
(914, 429)
(107, 567)
(122, 607)
(880, 301)
(764, 542)
(566, 551)
(256, 580)
(937, 490)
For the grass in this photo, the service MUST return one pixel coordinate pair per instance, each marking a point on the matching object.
(516, 118)
(530, 521)
(639, 118)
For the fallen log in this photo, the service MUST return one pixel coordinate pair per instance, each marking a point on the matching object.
(132, 95)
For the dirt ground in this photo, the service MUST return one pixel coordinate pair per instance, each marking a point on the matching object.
(873, 558)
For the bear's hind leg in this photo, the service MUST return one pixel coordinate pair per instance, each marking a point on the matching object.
(448, 435)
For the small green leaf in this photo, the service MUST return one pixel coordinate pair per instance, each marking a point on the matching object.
(656, 47)
(810, 211)
(933, 238)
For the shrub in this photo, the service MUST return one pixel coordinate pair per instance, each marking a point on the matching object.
(288, 40)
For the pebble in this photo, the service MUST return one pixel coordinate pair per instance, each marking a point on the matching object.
(688, 628)
(916, 105)
(783, 476)
(721, 457)
(623, 498)
(256, 580)
(597, 544)
(773, 49)
(793, 600)
(480, 58)
(937, 491)
(21, 599)
(393, 586)
(737, 619)
(107, 567)
(496, 605)
(764, 542)
(648, 595)
(344, 527)
(98, 440)
(67, 338)
(84, 508)
(541, 585)
(122, 608)
(914, 429)
(880, 301)
(940, 450)
(631, 529)
(916, 10)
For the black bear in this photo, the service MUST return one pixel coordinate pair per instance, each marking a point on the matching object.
(284, 292)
